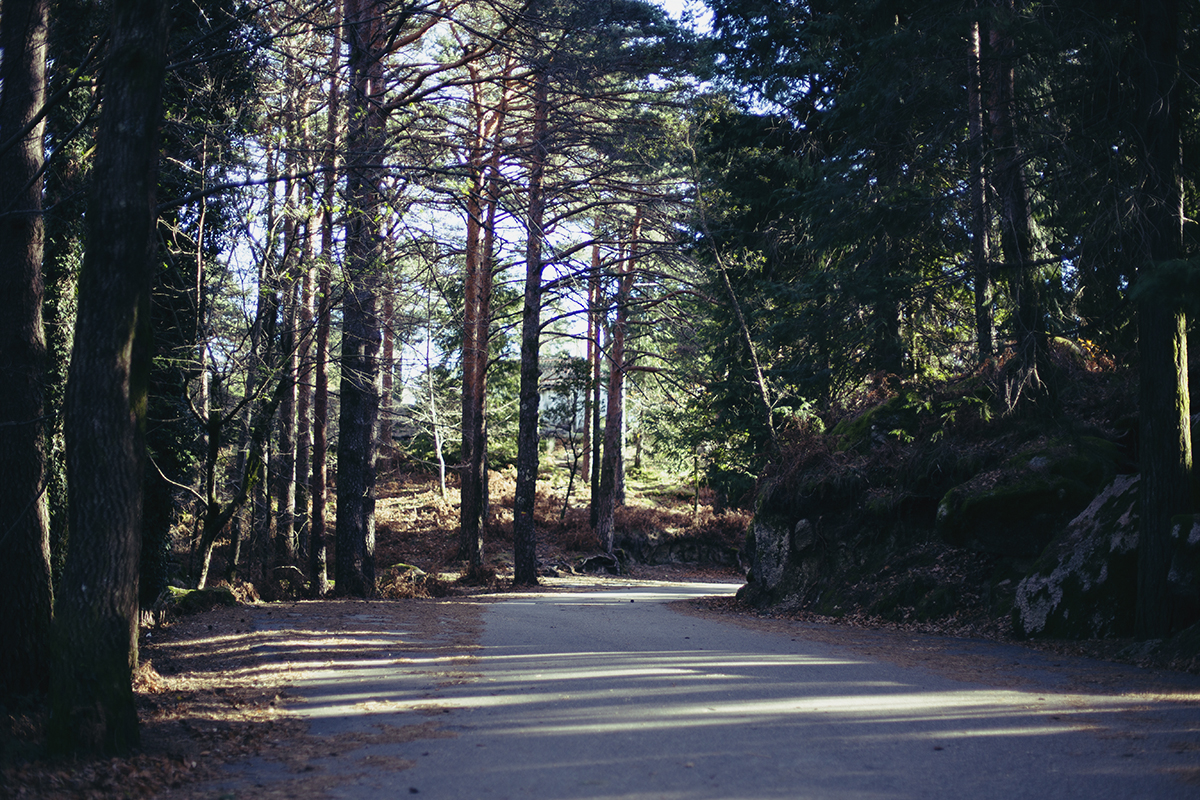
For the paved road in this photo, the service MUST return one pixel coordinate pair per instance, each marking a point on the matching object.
(611, 694)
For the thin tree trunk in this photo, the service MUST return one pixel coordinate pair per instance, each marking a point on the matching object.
(92, 703)
(216, 515)
(586, 445)
(318, 488)
(482, 200)
(980, 240)
(476, 316)
(388, 376)
(358, 421)
(1016, 234)
(612, 465)
(304, 395)
(294, 238)
(470, 542)
(284, 465)
(317, 548)
(434, 419)
(25, 584)
(524, 532)
(483, 323)
(598, 313)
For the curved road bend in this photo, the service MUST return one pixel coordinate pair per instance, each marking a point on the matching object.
(609, 694)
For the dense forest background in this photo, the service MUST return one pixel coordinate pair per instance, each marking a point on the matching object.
(253, 253)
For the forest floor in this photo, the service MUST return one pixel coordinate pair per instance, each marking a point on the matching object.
(205, 698)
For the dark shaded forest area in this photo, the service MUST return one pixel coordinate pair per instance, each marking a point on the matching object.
(911, 283)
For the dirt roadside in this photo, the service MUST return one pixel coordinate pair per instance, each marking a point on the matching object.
(214, 687)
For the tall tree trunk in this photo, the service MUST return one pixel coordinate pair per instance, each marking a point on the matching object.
(285, 461)
(590, 355)
(304, 392)
(613, 461)
(1016, 234)
(317, 552)
(482, 200)
(92, 704)
(317, 490)
(524, 533)
(980, 242)
(435, 422)
(1165, 442)
(25, 585)
(294, 237)
(598, 313)
(354, 567)
(388, 374)
(470, 541)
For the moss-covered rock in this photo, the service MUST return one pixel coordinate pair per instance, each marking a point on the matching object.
(1085, 584)
(193, 601)
(898, 417)
(1017, 509)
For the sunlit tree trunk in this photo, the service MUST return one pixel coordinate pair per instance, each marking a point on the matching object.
(285, 461)
(318, 483)
(25, 585)
(470, 543)
(1165, 442)
(435, 422)
(481, 202)
(590, 355)
(612, 464)
(318, 488)
(304, 391)
(597, 313)
(92, 704)
(388, 374)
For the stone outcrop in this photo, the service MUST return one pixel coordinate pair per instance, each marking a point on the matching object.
(666, 547)
(1016, 510)
(787, 559)
(1084, 586)
(1183, 580)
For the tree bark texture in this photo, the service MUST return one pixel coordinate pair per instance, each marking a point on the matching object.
(475, 351)
(590, 354)
(612, 463)
(25, 585)
(317, 548)
(361, 387)
(482, 199)
(300, 514)
(1016, 234)
(980, 227)
(525, 496)
(318, 483)
(597, 312)
(92, 704)
(1165, 441)
(285, 462)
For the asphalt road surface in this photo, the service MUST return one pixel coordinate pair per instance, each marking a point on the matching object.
(610, 693)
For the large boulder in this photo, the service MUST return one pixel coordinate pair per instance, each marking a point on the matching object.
(1183, 580)
(1084, 586)
(787, 557)
(676, 547)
